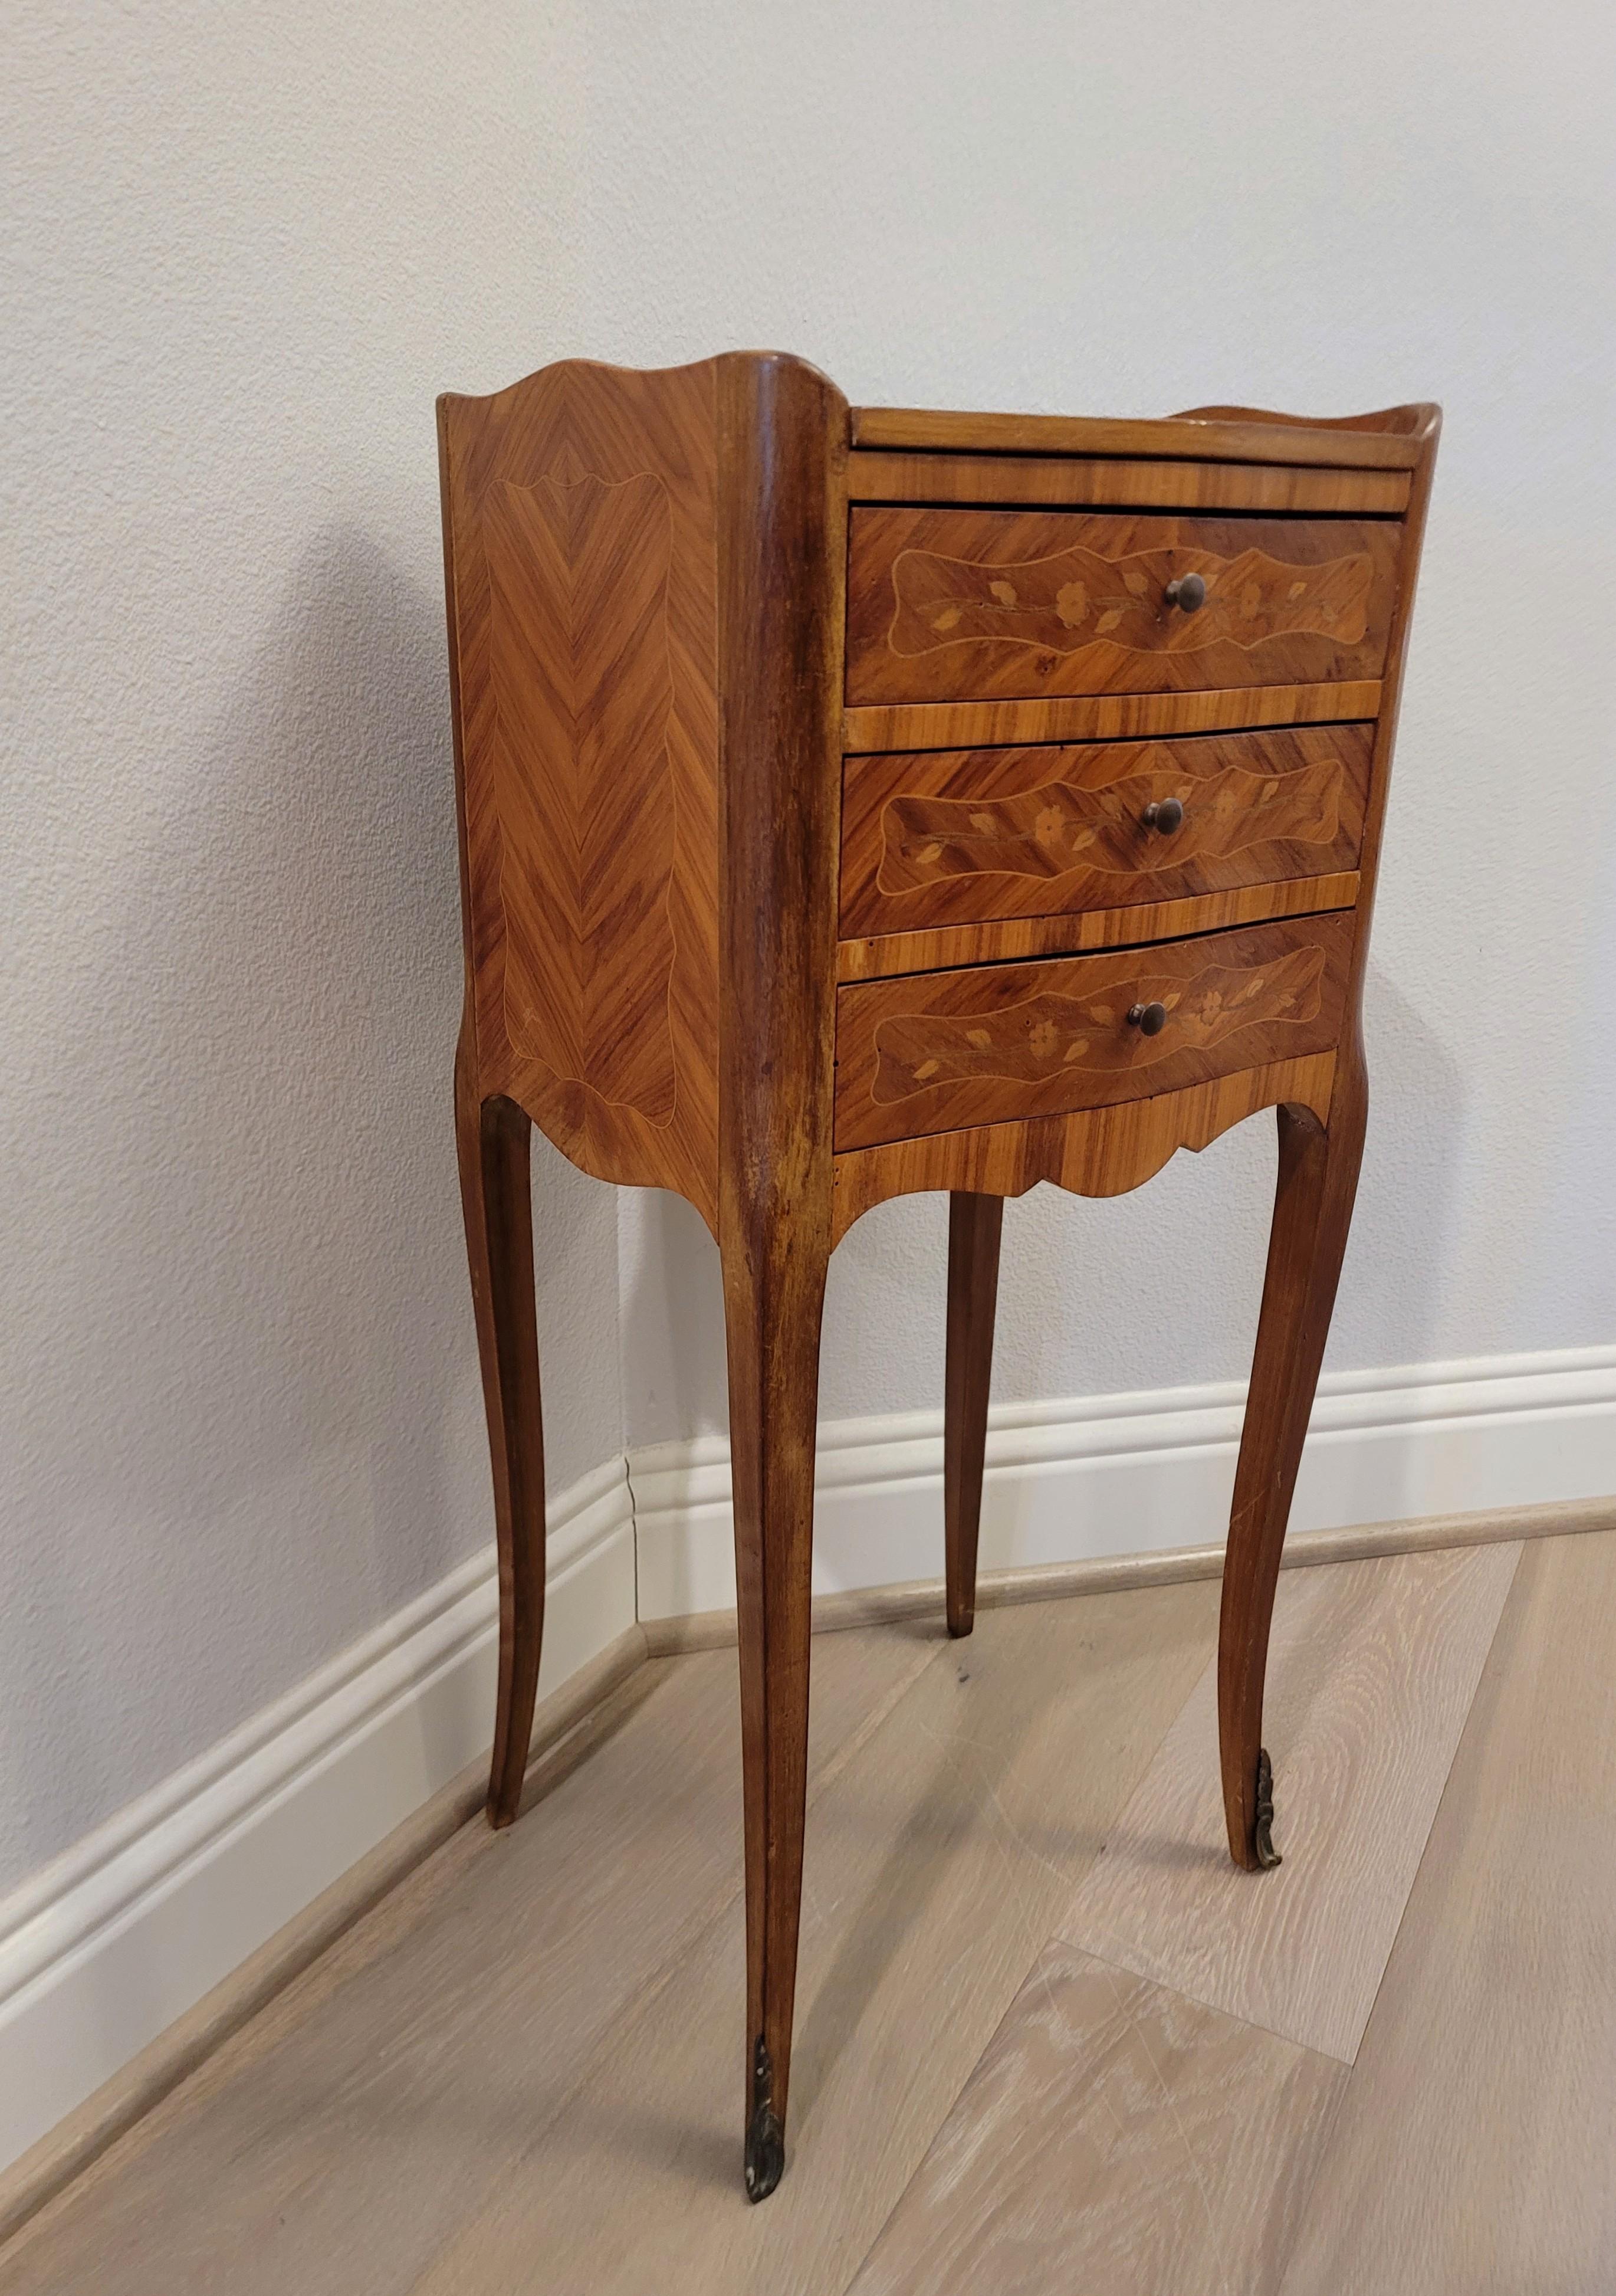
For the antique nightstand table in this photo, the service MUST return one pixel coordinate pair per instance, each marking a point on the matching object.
(856, 802)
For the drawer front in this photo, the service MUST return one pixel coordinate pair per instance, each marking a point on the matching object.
(938, 1052)
(960, 837)
(950, 605)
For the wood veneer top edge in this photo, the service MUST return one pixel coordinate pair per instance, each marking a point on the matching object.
(928, 430)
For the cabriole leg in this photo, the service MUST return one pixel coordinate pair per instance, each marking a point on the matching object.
(772, 1306)
(493, 1138)
(1312, 1211)
(974, 1224)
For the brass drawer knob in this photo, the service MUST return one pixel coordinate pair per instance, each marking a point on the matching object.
(1149, 1019)
(1188, 592)
(1166, 815)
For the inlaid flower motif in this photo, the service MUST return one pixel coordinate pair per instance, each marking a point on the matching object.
(1076, 595)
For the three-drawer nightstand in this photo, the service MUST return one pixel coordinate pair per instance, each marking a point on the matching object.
(856, 802)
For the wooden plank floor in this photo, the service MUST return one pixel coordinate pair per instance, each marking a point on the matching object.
(1046, 2037)
(1371, 1672)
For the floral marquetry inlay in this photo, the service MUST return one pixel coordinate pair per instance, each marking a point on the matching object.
(1058, 827)
(1032, 1042)
(954, 604)
(1076, 596)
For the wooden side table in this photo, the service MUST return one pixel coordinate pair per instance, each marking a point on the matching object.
(856, 802)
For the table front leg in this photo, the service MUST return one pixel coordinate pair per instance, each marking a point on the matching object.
(1312, 1211)
(773, 1300)
(493, 1137)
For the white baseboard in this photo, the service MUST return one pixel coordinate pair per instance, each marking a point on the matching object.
(105, 1947)
(1070, 1481)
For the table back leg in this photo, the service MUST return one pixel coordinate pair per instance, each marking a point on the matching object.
(1312, 1211)
(974, 1224)
(493, 1138)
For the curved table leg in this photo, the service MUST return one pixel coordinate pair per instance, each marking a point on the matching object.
(493, 1138)
(975, 1225)
(773, 1300)
(1312, 1211)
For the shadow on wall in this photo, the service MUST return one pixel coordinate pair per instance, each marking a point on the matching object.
(252, 1405)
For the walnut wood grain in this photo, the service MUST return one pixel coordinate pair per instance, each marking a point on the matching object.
(783, 430)
(1212, 435)
(956, 837)
(581, 511)
(963, 604)
(1098, 1151)
(939, 1052)
(885, 953)
(1115, 485)
(974, 1225)
(1102, 716)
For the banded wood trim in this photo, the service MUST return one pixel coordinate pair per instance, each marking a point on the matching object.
(958, 837)
(1236, 438)
(989, 479)
(878, 956)
(1103, 717)
(951, 605)
(1097, 1151)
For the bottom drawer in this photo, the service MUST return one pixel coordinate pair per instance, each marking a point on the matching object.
(935, 1052)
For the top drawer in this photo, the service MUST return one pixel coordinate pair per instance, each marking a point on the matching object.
(958, 605)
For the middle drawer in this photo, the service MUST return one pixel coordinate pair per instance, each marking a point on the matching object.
(951, 837)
